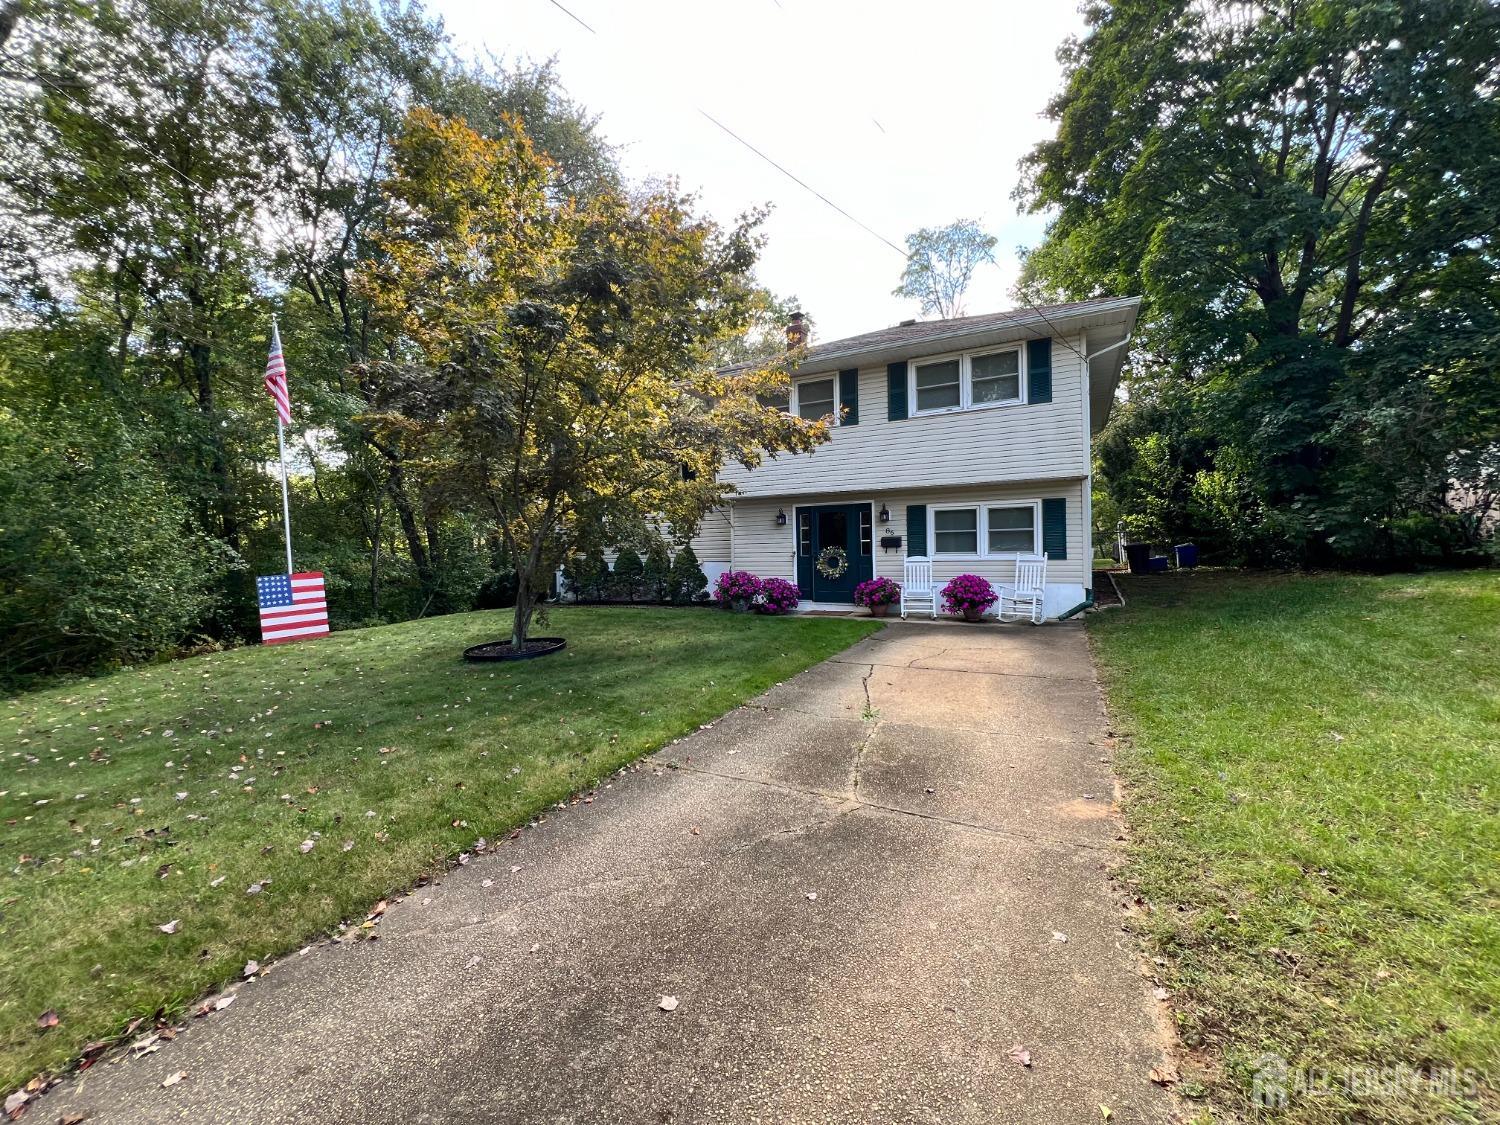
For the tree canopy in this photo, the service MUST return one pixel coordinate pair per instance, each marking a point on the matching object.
(1307, 195)
(551, 360)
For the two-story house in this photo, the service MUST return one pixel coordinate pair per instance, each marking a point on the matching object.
(964, 440)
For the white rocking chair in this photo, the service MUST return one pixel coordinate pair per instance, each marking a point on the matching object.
(1022, 600)
(916, 586)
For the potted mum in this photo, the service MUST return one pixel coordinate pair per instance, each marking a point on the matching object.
(737, 590)
(968, 596)
(877, 595)
(777, 596)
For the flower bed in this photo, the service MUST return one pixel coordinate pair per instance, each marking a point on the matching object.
(777, 596)
(877, 592)
(737, 589)
(968, 596)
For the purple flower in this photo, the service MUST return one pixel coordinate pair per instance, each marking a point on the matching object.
(966, 592)
(777, 596)
(877, 591)
(736, 585)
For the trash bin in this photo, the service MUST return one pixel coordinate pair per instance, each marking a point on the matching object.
(1187, 554)
(1137, 555)
(1157, 564)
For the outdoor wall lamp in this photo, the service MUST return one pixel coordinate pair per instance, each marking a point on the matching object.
(885, 514)
(780, 517)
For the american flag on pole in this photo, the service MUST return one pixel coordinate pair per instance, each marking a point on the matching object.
(292, 607)
(276, 378)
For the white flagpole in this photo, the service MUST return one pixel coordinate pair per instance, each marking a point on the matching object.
(286, 504)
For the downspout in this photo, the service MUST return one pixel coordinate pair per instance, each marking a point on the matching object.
(1087, 603)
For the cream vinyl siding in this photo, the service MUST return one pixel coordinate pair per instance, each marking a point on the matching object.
(711, 544)
(761, 547)
(1024, 441)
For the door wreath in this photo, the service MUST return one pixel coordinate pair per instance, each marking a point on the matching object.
(833, 562)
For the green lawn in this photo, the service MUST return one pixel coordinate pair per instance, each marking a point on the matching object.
(167, 792)
(1312, 767)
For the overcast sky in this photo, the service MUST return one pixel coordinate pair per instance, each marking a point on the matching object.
(905, 114)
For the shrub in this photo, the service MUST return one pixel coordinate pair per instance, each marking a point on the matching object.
(498, 591)
(966, 592)
(877, 591)
(736, 585)
(777, 596)
(587, 575)
(657, 576)
(629, 573)
(688, 583)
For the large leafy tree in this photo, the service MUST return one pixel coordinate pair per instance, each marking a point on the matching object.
(1308, 194)
(551, 359)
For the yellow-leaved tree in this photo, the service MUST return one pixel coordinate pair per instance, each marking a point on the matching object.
(551, 361)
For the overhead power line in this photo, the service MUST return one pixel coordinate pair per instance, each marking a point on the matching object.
(803, 184)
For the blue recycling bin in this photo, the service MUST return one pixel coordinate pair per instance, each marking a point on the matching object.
(1187, 554)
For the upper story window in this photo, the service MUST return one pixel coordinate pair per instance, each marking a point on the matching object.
(968, 381)
(812, 399)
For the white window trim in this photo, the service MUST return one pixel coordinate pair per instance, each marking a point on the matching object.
(965, 380)
(982, 527)
(792, 402)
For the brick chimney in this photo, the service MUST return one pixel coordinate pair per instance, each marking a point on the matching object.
(796, 332)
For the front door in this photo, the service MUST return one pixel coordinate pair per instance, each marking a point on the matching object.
(834, 551)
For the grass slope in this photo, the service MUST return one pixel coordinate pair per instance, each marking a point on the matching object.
(166, 792)
(1313, 774)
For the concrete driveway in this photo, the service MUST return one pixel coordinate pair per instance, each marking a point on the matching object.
(857, 888)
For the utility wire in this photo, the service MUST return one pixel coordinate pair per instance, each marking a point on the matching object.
(572, 17)
(802, 183)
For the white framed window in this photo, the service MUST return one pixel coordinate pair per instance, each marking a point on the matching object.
(937, 385)
(1010, 528)
(984, 529)
(813, 399)
(967, 381)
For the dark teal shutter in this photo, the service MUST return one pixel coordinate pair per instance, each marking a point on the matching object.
(895, 389)
(1039, 370)
(1055, 528)
(916, 528)
(849, 397)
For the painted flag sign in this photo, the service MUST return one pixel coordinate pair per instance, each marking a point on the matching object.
(292, 606)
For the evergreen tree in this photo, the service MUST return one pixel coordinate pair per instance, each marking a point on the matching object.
(689, 584)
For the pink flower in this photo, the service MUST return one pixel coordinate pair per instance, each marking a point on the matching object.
(966, 592)
(736, 585)
(777, 596)
(877, 591)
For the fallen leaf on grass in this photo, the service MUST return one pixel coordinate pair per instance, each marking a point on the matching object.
(47, 1019)
(170, 927)
(306, 846)
(251, 968)
(173, 1079)
(668, 1004)
(1020, 1055)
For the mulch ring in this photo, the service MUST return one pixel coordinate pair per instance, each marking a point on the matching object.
(503, 650)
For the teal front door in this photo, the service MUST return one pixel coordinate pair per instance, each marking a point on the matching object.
(834, 550)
